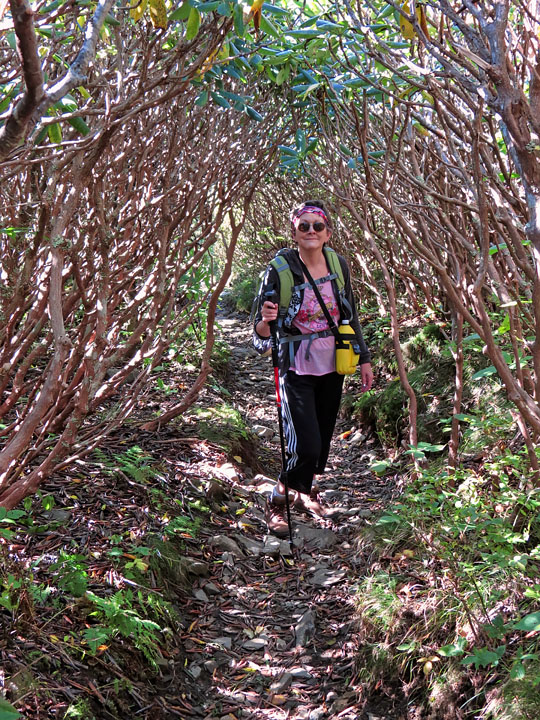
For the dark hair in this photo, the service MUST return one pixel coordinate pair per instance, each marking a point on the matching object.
(311, 203)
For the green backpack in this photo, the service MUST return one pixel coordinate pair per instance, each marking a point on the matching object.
(286, 279)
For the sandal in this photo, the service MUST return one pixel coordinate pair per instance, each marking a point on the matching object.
(275, 514)
(311, 503)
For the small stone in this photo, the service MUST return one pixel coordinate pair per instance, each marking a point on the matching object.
(305, 629)
(282, 683)
(244, 351)
(57, 515)
(334, 513)
(252, 546)
(212, 589)
(325, 577)
(369, 457)
(356, 522)
(260, 479)
(351, 512)
(300, 673)
(227, 544)
(234, 507)
(285, 548)
(258, 643)
(230, 472)
(248, 479)
(239, 697)
(340, 707)
(272, 545)
(320, 538)
(195, 567)
(357, 438)
(228, 559)
(263, 432)
(201, 595)
(195, 671)
(225, 642)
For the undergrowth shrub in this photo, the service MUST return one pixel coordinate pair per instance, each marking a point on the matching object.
(123, 613)
(241, 293)
(115, 593)
(221, 356)
(425, 343)
(431, 372)
(451, 604)
(224, 425)
(518, 698)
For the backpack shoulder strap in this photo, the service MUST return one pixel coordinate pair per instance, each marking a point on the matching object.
(335, 266)
(286, 279)
(286, 282)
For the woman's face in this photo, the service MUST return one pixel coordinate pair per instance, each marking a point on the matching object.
(310, 231)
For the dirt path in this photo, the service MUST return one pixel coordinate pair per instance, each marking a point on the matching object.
(254, 631)
(273, 635)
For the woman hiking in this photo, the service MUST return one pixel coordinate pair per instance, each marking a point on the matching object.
(309, 386)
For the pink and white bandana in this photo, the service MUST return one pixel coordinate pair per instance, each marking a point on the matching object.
(309, 209)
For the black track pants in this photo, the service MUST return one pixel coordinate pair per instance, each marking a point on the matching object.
(310, 406)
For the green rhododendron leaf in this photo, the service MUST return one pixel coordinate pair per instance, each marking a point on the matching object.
(530, 623)
(7, 711)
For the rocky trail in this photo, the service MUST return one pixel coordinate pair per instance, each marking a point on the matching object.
(248, 628)
(273, 634)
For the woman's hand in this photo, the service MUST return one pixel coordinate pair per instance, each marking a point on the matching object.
(367, 376)
(269, 311)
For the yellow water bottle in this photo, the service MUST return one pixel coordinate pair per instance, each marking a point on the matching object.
(346, 358)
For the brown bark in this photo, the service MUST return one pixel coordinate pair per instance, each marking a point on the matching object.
(394, 319)
(131, 227)
(16, 125)
(206, 368)
(453, 445)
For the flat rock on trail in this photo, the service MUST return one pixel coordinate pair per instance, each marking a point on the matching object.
(273, 634)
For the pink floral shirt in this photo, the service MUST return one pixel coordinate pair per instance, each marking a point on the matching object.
(320, 352)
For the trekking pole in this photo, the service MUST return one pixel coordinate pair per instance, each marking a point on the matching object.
(271, 296)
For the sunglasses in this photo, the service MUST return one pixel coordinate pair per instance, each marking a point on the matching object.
(305, 226)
